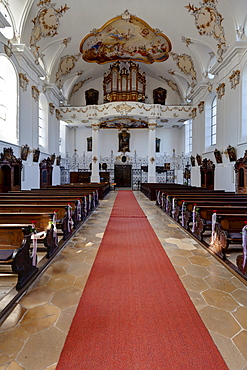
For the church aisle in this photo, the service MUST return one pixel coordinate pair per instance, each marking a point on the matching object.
(33, 336)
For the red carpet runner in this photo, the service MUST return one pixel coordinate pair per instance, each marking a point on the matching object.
(134, 313)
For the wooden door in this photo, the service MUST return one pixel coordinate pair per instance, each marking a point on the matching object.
(123, 176)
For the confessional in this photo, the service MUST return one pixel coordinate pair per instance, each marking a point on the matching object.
(241, 174)
(207, 174)
(45, 168)
(10, 171)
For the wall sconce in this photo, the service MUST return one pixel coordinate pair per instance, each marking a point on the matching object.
(94, 159)
(152, 160)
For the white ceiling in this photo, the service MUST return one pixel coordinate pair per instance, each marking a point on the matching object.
(77, 18)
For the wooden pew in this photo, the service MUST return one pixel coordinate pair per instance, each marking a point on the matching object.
(19, 256)
(226, 230)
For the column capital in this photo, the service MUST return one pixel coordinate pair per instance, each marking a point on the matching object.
(152, 126)
(95, 126)
(152, 123)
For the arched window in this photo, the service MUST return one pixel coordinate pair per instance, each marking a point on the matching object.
(62, 138)
(244, 104)
(188, 136)
(213, 122)
(210, 120)
(8, 101)
(43, 122)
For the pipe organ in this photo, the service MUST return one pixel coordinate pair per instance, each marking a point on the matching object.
(122, 84)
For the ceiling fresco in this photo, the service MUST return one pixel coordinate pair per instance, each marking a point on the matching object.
(125, 38)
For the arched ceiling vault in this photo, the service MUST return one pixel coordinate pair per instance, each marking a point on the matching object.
(198, 34)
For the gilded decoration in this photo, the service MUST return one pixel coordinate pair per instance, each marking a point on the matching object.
(186, 65)
(58, 114)
(78, 85)
(220, 90)
(124, 84)
(45, 24)
(234, 79)
(172, 85)
(67, 63)
(193, 113)
(152, 126)
(23, 80)
(51, 108)
(125, 37)
(35, 93)
(66, 41)
(209, 23)
(201, 106)
(123, 108)
(210, 87)
(121, 123)
(186, 40)
(8, 49)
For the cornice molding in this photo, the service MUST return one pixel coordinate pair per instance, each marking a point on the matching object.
(54, 90)
(201, 86)
(237, 49)
(3, 21)
(21, 51)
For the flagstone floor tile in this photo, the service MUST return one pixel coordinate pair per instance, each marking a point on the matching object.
(43, 316)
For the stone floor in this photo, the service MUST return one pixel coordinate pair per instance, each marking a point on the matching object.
(32, 337)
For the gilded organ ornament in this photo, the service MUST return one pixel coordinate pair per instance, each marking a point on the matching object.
(209, 23)
(125, 37)
(45, 24)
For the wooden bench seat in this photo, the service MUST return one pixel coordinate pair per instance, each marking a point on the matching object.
(19, 256)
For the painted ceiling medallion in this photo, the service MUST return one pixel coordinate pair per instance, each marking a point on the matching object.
(125, 37)
(208, 22)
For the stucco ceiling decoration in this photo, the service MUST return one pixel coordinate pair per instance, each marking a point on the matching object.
(209, 22)
(46, 24)
(125, 37)
(172, 85)
(186, 65)
(126, 123)
(67, 63)
(78, 85)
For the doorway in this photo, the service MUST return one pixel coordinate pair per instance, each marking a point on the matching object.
(122, 174)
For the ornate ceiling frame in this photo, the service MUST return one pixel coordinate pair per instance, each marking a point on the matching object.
(125, 37)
